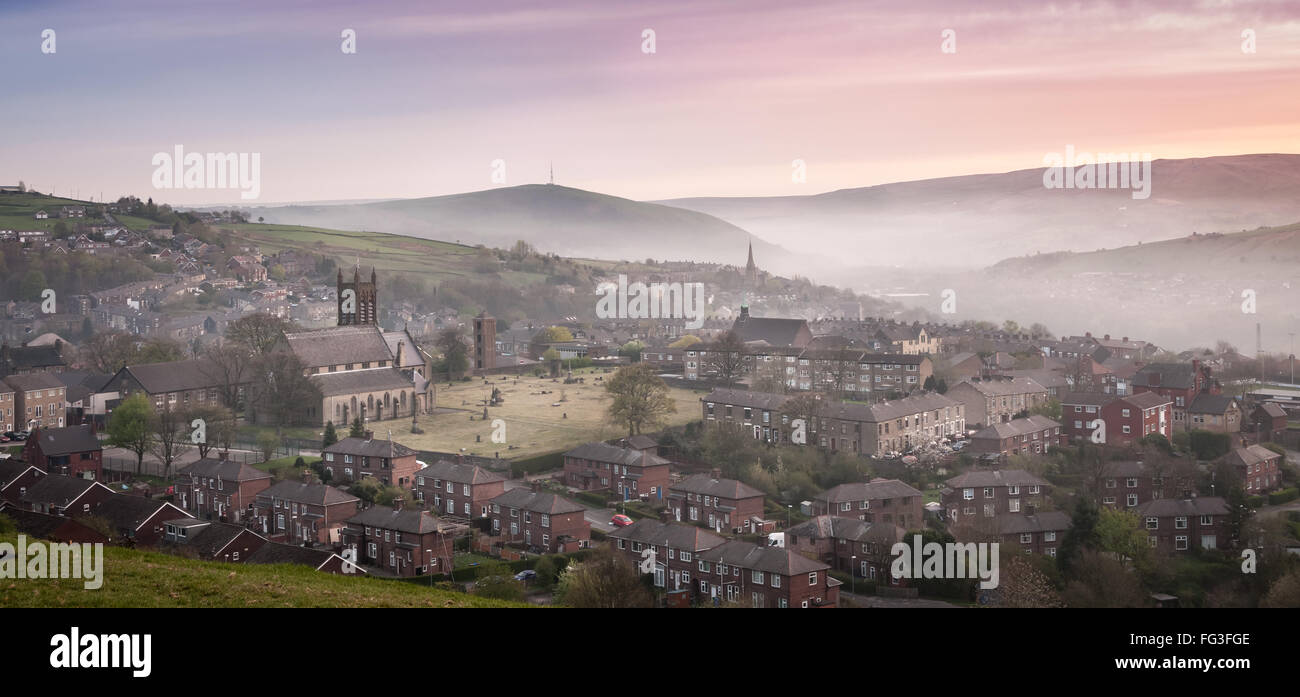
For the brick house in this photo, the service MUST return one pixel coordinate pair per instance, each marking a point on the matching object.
(1131, 418)
(136, 521)
(725, 504)
(16, 477)
(756, 576)
(629, 472)
(351, 459)
(7, 395)
(212, 541)
(674, 548)
(991, 493)
(458, 489)
(1032, 435)
(1079, 410)
(220, 488)
(1127, 484)
(406, 542)
(1268, 421)
(1258, 467)
(39, 400)
(73, 451)
(55, 528)
(1174, 525)
(541, 521)
(59, 495)
(847, 544)
(997, 399)
(180, 384)
(876, 501)
(1181, 382)
(1214, 412)
(296, 511)
(1034, 533)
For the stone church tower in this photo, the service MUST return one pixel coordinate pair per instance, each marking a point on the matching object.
(363, 302)
(485, 341)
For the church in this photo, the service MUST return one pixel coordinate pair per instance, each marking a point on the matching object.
(361, 370)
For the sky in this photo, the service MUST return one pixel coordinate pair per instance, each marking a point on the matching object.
(732, 94)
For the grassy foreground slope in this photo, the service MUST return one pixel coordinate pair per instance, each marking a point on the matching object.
(137, 578)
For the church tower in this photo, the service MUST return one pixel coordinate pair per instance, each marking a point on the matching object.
(485, 341)
(361, 306)
(751, 270)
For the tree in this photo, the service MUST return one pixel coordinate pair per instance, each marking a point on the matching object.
(554, 335)
(358, 429)
(1082, 534)
(686, 341)
(1051, 409)
(641, 398)
(258, 333)
(1022, 585)
(217, 421)
(281, 387)
(1285, 592)
(170, 436)
(1098, 580)
(632, 350)
(1121, 534)
(604, 580)
(129, 427)
(331, 436)
(267, 444)
(455, 353)
(499, 587)
(726, 358)
(230, 367)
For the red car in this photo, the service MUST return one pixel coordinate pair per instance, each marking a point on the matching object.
(620, 520)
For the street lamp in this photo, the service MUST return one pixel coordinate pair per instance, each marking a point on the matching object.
(788, 506)
(853, 575)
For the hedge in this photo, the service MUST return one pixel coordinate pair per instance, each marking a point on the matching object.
(1283, 496)
(537, 463)
(1255, 501)
(476, 572)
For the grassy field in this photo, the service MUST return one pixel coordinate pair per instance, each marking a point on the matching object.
(16, 211)
(136, 578)
(534, 423)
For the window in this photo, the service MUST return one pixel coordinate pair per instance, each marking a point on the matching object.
(776, 580)
(1180, 523)
(1153, 523)
(968, 494)
(1049, 536)
(812, 578)
(988, 492)
(1180, 542)
(1026, 538)
(756, 576)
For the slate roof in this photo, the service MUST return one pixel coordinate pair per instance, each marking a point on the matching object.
(1250, 455)
(279, 553)
(745, 398)
(410, 352)
(1034, 423)
(774, 330)
(127, 512)
(1273, 409)
(33, 381)
(39, 525)
(704, 485)
(997, 387)
(213, 536)
(12, 468)
(1147, 400)
(1178, 376)
(604, 452)
(370, 448)
(174, 376)
(1015, 524)
(982, 478)
(750, 556)
(67, 440)
(1094, 399)
(1206, 403)
(340, 346)
(352, 381)
(459, 473)
(537, 502)
(227, 470)
(652, 532)
(868, 491)
(57, 490)
(299, 492)
(410, 520)
(1201, 505)
(22, 358)
(852, 529)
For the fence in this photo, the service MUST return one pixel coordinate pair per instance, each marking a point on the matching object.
(287, 447)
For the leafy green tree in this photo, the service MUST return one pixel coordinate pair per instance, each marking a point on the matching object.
(331, 436)
(358, 429)
(603, 580)
(640, 398)
(455, 353)
(129, 427)
(499, 587)
(1121, 534)
(554, 335)
(632, 350)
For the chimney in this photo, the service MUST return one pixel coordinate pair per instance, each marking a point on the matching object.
(398, 502)
(397, 359)
(535, 485)
(1107, 337)
(223, 455)
(370, 435)
(306, 476)
(715, 473)
(1126, 339)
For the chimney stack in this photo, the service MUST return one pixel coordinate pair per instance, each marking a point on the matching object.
(715, 473)
(223, 455)
(398, 502)
(370, 435)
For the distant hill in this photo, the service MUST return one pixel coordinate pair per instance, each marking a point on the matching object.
(567, 221)
(981, 219)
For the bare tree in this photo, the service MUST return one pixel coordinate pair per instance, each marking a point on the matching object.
(230, 368)
(282, 387)
(259, 332)
(171, 436)
(726, 358)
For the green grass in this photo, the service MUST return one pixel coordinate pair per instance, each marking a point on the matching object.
(273, 465)
(136, 578)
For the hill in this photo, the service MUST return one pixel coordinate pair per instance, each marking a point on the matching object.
(566, 221)
(136, 578)
(980, 219)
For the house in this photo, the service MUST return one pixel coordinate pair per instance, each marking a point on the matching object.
(135, 520)
(73, 451)
(672, 547)
(7, 395)
(59, 495)
(725, 504)
(212, 540)
(42, 215)
(542, 522)
(1181, 382)
(458, 489)
(1258, 467)
(1268, 421)
(221, 489)
(318, 559)
(1081, 413)
(1032, 435)
(182, 384)
(1034, 533)
(1127, 484)
(847, 544)
(33, 358)
(877, 501)
(990, 493)
(631, 473)
(55, 528)
(404, 542)
(352, 459)
(39, 400)
(1130, 418)
(1174, 525)
(301, 512)
(772, 330)
(1214, 412)
(246, 269)
(755, 576)
(16, 477)
(997, 399)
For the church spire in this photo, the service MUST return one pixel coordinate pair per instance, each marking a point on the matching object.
(751, 270)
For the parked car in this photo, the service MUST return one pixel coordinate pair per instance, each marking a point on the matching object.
(526, 575)
(620, 520)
